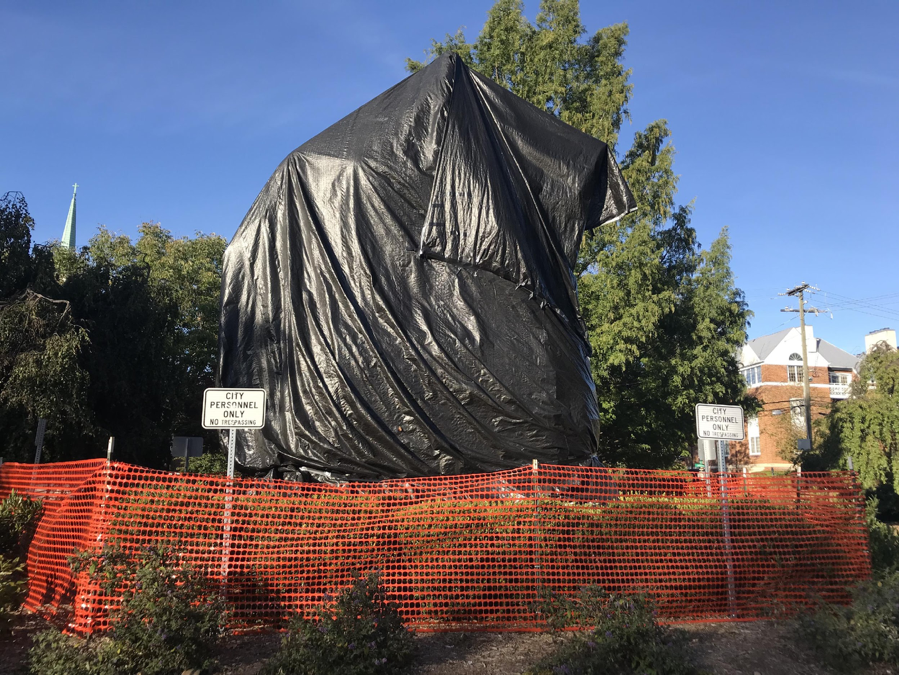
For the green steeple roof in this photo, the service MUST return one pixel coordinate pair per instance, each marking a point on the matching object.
(68, 235)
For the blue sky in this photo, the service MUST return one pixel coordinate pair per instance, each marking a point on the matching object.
(785, 116)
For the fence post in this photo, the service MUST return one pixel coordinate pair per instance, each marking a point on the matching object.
(538, 576)
(101, 523)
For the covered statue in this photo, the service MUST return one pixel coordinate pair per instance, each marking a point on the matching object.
(403, 287)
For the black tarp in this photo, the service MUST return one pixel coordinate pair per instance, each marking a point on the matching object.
(402, 287)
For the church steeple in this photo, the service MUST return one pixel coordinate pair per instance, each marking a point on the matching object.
(68, 235)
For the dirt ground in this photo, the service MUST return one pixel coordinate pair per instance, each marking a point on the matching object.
(752, 648)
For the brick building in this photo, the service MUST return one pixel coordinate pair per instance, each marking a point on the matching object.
(772, 366)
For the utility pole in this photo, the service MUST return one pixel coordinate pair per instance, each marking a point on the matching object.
(806, 390)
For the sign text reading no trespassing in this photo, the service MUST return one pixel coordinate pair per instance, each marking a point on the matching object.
(233, 409)
(719, 422)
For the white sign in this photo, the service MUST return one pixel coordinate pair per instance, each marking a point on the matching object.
(719, 422)
(233, 409)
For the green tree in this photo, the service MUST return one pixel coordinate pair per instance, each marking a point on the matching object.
(547, 64)
(15, 244)
(151, 308)
(865, 426)
(40, 343)
(665, 320)
(118, 339)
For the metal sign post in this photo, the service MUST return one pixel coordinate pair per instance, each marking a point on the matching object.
(232, 409)
(232, 446)
(728, 545)
(229, 500)
(722, 423)
(706, 456)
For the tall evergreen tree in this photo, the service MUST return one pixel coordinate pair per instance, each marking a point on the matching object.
(665, 320)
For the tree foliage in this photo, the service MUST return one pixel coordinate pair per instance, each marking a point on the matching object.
(548, 64)
(40, 341)
(664, 318)
(865, 426)
(118, 339)
(15, 243)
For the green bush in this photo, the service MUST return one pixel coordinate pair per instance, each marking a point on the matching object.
(169, 620)
(867, 631)
(13, 587)
(209, 463)
(884, 542)
(478, 561)
(357, 634)
(620, 635)
(18, 518)
(55, 653)
(317, 531)
(637, 543)
(470, 561)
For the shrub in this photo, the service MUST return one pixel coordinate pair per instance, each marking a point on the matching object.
(55, 653)
(884, 542)
(638, 542)
(470, 561)
(320, 532)
(18, 518)
(13, 587)
(867, 631)
(620, 635)
(169, 620)
(209, 463)
(358, 633)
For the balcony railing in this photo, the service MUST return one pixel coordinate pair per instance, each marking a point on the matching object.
(839, 390)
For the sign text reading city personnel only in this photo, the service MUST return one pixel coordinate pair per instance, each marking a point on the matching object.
(721, 422)
(233, 409)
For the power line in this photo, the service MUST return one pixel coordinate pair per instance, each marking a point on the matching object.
(862, 311)
(855, 305)
(875, 297)
(853, 308)
(866, 305)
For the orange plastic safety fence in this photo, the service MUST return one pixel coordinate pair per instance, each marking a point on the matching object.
(474, 552)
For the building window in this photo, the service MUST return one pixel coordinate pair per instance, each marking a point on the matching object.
(795, 357)
(794, 374)
(755, 448)
(840, 386)
(797, 412)
(839, 378)
(753, 376)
